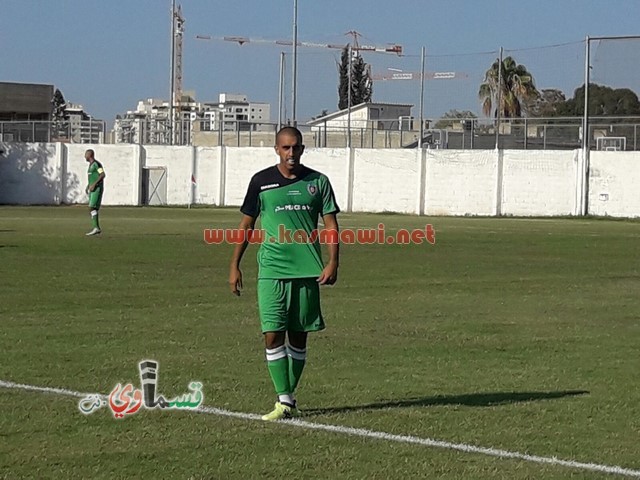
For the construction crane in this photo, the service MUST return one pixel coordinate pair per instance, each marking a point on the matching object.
(355, 47)
(402, 75)
(391, 48)
(175, 109)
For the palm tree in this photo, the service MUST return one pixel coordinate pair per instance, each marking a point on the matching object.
(514, 85)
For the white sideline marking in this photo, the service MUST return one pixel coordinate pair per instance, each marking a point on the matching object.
(361, 432)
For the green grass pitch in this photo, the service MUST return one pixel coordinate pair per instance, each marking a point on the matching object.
(485, 338)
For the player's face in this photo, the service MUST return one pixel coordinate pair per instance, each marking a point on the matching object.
(289, 149)
(87, 156)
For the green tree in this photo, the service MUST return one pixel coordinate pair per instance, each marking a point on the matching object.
(603, 101)
(512, 83)
(58, 104)
(58, 113)
(361, 83)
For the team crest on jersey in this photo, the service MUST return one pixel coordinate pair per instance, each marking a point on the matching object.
(312, 189)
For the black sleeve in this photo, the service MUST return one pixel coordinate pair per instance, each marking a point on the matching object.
(329, 204)
(251, 204)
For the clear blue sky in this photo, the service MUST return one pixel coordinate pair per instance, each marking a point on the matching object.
(108, 54)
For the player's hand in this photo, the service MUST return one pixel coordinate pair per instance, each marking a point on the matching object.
(235, 280)
(86, 190)
(329, 275)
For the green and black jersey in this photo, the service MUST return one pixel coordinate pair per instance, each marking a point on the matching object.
(94, 171)
(287, 206)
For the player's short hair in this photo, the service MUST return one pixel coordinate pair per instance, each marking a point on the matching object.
(290, 131)
(90, 150)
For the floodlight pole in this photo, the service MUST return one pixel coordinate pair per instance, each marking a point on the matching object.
(294, 68)
(585, 119)
(585, 130)
(349, 101)
(499, 99)
(173, 68)
(422, 99)
(281, 91)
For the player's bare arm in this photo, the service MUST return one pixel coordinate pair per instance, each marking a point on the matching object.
(329, 274)
(235, 274)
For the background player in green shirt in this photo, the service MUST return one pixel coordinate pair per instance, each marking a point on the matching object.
(95, 189)
(288, 197)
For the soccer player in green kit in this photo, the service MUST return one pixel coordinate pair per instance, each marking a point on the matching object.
(95, 189)
(288, 197)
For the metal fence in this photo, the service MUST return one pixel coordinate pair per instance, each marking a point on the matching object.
(86, 131)
(551, 133)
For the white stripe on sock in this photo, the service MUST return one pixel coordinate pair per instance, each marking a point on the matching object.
(297, 353)
(276, 353)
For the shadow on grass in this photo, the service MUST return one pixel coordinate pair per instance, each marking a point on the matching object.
(469, 400)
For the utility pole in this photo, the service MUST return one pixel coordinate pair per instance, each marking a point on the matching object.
(423, 55)
(294, 69)
(585, 130)
(281, 90)
(173, 69)
(499, 100)
(349, 100)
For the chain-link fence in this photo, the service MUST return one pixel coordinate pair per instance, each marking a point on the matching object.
(614, 82)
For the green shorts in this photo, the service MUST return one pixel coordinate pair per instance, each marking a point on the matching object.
(95, 198)
(289, 305)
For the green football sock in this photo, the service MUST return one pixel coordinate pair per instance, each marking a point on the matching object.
(278, 365)
(297, 359)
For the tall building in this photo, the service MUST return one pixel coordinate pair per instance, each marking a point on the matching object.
(25, 112)
(27, 115)
(25, 101)
(149, 122)
(82, 127)
(238, 113)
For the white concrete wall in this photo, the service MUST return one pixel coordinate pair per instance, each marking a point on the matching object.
(241, 164)
(30, 174)
(121, 165)
(179, 164)
(334, 163)
(539, 182)
(207, 175)
(433, 182)
(386, 180)
(614, 184)
(461, 182)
